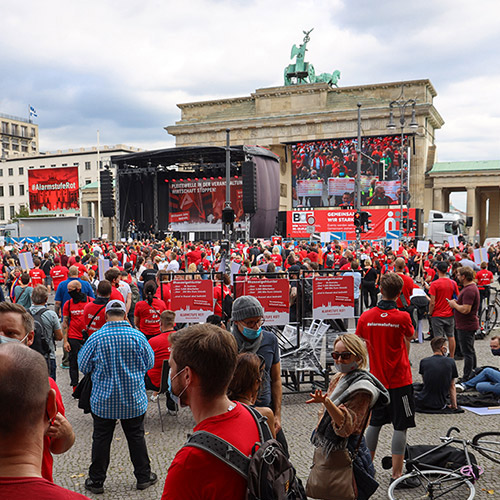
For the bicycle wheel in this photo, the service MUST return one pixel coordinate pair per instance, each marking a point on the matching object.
(493, 317)
(434, 484)
(488, 444)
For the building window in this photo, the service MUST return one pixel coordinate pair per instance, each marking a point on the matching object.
(24, 131)
(15, 129)
(5, 128)
(11, 172)
(1, 172)
(21, 170)
(75, 164)
(87, 165)
(87, 182)
(24, 147)
(11, 190)
(64, 165)
(33, 132)
(21, 189)
(12, 209)
(89, 209)
(1, 191)
(52, 166)
(15, 146)
(2, 213)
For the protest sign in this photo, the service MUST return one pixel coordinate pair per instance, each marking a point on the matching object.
(333, 297)
(274, 296)
(192, 300)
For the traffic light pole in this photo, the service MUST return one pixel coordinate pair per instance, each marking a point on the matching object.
(358, 182)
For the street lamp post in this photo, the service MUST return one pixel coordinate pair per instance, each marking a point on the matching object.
(402, 105)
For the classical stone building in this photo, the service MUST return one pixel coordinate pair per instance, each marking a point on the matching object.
(18, 137)
(279, 116)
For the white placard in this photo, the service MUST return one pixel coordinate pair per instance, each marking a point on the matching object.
(453, 241)
(45, 247)
(325, 237)
(102, 267)
(480, 255)
(395, 245)
(26, 260)
(191, 236)
(235, 269)
(69, 247)
(422, 246)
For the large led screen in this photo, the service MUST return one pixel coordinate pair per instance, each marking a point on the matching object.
(324, 172)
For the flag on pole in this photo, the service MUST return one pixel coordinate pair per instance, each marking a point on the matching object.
(33, 112)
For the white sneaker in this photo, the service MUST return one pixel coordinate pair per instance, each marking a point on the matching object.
(460, 387)
(154, 397)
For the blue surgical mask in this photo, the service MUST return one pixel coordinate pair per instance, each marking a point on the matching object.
(175, 399)
(251, 334)
(346, 367)
(495, 352)
(9, 340)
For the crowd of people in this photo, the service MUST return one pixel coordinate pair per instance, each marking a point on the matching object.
(118, 329)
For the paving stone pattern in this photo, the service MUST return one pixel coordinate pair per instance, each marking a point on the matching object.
(299, 419)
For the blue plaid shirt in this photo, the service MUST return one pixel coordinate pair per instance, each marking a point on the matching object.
(118, 356)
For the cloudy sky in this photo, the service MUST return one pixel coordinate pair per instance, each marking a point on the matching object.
(121, 66)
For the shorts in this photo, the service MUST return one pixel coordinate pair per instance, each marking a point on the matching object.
(48, 281)
(400, 411)
(443, 327)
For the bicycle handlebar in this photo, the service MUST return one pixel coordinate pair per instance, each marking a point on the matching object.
(451, 429)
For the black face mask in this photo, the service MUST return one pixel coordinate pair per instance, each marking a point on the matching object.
(77, 296)
(495, 352)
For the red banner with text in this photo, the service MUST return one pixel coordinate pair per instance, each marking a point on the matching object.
(333, 297)
(53, 190)
(382, 220)
(192, 300)
(274, 296)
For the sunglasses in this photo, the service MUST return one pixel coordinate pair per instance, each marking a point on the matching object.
(343, 355)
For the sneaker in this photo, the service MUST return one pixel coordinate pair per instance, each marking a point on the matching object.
(94, 486)
(154, 397)
(153, 478)
(407, 483)
(462, 388)
(66, 367)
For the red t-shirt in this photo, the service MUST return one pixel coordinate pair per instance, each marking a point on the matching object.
(149, 316)
(81, 269)
(58, 274)
(96, 311)
(407, 290)
(76, 318)
(37, 276)
(385, 332)
(165, 296)
(47, 459)
(161, 348)
(442, 289)
(116, 294)
(484, 278)
(196, 475)
(35, 487)
(217, 298)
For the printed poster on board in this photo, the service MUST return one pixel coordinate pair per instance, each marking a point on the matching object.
(192, 300)
(333, 297)
(274, 296)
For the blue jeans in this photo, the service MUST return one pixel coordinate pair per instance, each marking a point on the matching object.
(487, 381)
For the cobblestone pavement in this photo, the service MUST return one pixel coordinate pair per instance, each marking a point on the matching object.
(70, 469)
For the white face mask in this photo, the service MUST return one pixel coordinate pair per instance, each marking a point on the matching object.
(444, 351)
(7, 340)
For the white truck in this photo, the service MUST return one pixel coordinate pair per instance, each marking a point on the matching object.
(70, 229)
(441, 225)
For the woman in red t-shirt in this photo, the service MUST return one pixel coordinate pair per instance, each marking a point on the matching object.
(147, 312)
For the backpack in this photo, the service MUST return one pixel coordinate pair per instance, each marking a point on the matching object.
(269, 473)
(330, 261)
(43, 337)
(411, 309)
(136, 295)
(227, 307)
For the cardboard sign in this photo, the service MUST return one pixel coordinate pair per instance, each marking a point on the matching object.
(102, 267)
(26, 260)
(333, 297)
(45, 246)
(192, 300)
(71, 246)
(453, 241)
(480, 255)
(422, 246)
(274, 296)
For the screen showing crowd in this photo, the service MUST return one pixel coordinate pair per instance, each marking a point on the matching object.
(324, 172)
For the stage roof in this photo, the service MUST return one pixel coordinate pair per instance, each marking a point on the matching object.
(188, 155)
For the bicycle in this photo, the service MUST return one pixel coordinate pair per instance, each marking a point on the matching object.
(489, 315)
(437, 482)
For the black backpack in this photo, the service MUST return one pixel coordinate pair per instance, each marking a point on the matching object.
(330, 260)
(43, 337)
(268, 471)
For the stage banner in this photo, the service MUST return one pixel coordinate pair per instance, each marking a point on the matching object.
(309, 187)
(196, 205)
(274, 296)
(333, 297)
(192, 300)
(53, 190)
(337, 186)
(342, 221)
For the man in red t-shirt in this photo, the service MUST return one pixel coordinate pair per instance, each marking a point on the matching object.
(202, 362)
(37, 275)
(73, 325)
(94, 313)
(33, 406)
(441, 291)
(484, 279)
(58, 273)
(408, 285)
(387, 332)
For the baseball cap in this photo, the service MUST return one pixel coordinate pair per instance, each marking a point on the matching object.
(116, 305)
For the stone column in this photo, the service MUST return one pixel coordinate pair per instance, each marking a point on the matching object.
(481, 198)
(493, 230)
(472, 211)
(437, 203)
